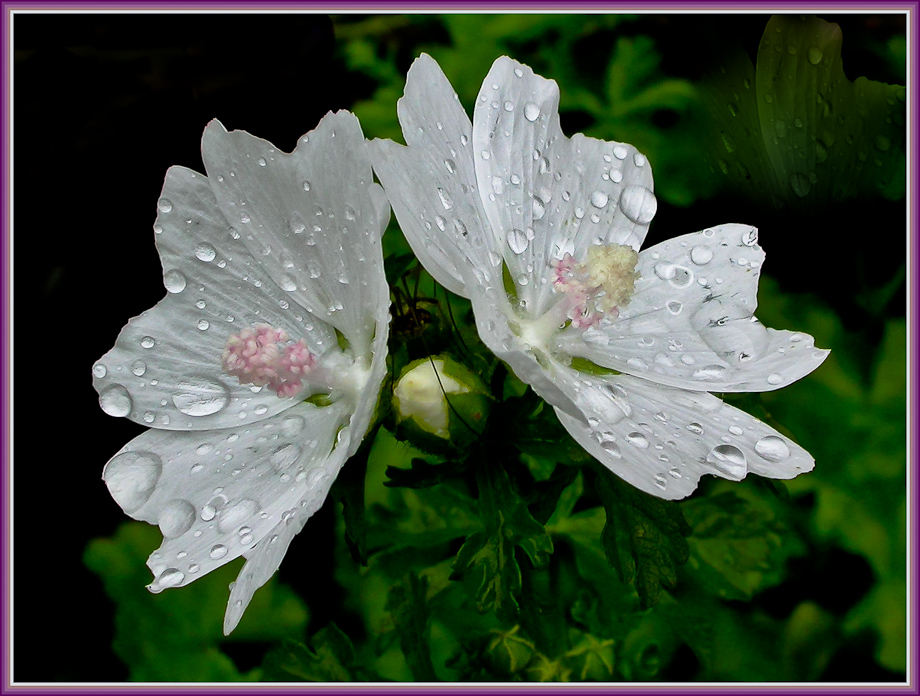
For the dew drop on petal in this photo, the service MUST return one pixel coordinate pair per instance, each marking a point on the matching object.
(176, 518)
(531, 112)
(599, 199)
(138, 368)
(729, 461)
(775, 378)
(517, 240)
(638, 204)
(539, 208)
(446, 200)
(99, 371)
(200, 397)
(174, 281)
(288, 284)
(164, 205)
(772, 448)
(620, 152)
(701, 255)
(709, 373)
(217, 552)
(695, 428)
(147, 342)
(235, 515)
(638, 440)
(205, 252)
(675, 307)
(116, 401)
(131, 478)
(169, 578)
(285, 455)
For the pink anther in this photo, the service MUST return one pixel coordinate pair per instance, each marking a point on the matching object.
(263, 356)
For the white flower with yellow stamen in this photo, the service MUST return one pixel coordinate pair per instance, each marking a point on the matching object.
(276, 302)
(541, 233)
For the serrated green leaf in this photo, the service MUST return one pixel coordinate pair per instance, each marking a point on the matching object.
(331, 659)
(643, 538)
(735, 544)
(490, 553)
(407, 603)
(176, 635)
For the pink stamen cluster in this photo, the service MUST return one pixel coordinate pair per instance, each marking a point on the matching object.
(264, 355)
(570, 279)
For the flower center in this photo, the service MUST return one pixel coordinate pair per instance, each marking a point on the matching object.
(598, 286)
(266, 356)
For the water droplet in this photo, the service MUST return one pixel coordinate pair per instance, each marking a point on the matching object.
(674, 472)
(174, 281)
(306, 186)
(517, 240)
(446, 200)
(245, 219)
(729, 461)
(205, 252)
(638, 204)
(709, 373)
(116, 401)
(451, 166)
(531, 112)
(800, 185)
(285, 455)
(165, 205)
(701, 255)
(288, 284)
(217, 552)
(815, 55)
(203, 325)
(138, 367)
(638, 440)
(509, 106)
(170, 578)
(176, 518)
(620, 152)
(99, 371)
(131, 478)
(147, 342)
(775, 378)
(518, 72)
(661, 481)
(200, 397)
(695, 428)
(639, 159)
(749, 238)
(599, 199)
(637, 364)
(736, 430)
(674, 307)
(461, 228)
(539, 208)
(235, 515)
(772, 448)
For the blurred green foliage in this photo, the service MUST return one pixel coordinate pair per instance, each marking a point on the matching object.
(517, 559)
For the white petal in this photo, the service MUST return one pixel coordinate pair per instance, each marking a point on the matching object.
(690, 323)
(661, 440)
(309, 217)
(544, 194)
(215, 495)
(432, 182)
(165, 368)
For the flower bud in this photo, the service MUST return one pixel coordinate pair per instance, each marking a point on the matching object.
(440, 405)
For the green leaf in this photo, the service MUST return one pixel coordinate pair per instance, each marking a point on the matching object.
(176, 635)
(423, 474)
(348, 490)
(736, 545)
(643, 537)
(331, 659)
(407, 603)
(534, 429)
(396, 265)
(490, 553)
(796, 130)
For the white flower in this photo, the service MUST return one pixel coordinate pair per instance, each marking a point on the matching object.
(540, 232)
(276, 293)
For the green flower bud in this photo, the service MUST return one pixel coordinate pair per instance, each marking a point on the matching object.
(423, 414)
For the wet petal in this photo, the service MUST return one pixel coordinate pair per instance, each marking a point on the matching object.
(662, 440)
(691, 322)
(545, 194)
(165, 369)
(432, 183)
(313, 218)
(216, 495)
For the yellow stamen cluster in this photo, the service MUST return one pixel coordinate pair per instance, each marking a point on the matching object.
(611, 268)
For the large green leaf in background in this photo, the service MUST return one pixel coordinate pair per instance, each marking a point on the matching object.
(795, 131)
(176, 635)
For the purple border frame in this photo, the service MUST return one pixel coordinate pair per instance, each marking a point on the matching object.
(912, 8)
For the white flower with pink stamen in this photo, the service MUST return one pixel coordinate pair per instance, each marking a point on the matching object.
(542, 234)
(276, 296)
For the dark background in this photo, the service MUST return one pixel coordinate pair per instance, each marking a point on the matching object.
(103, 105)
